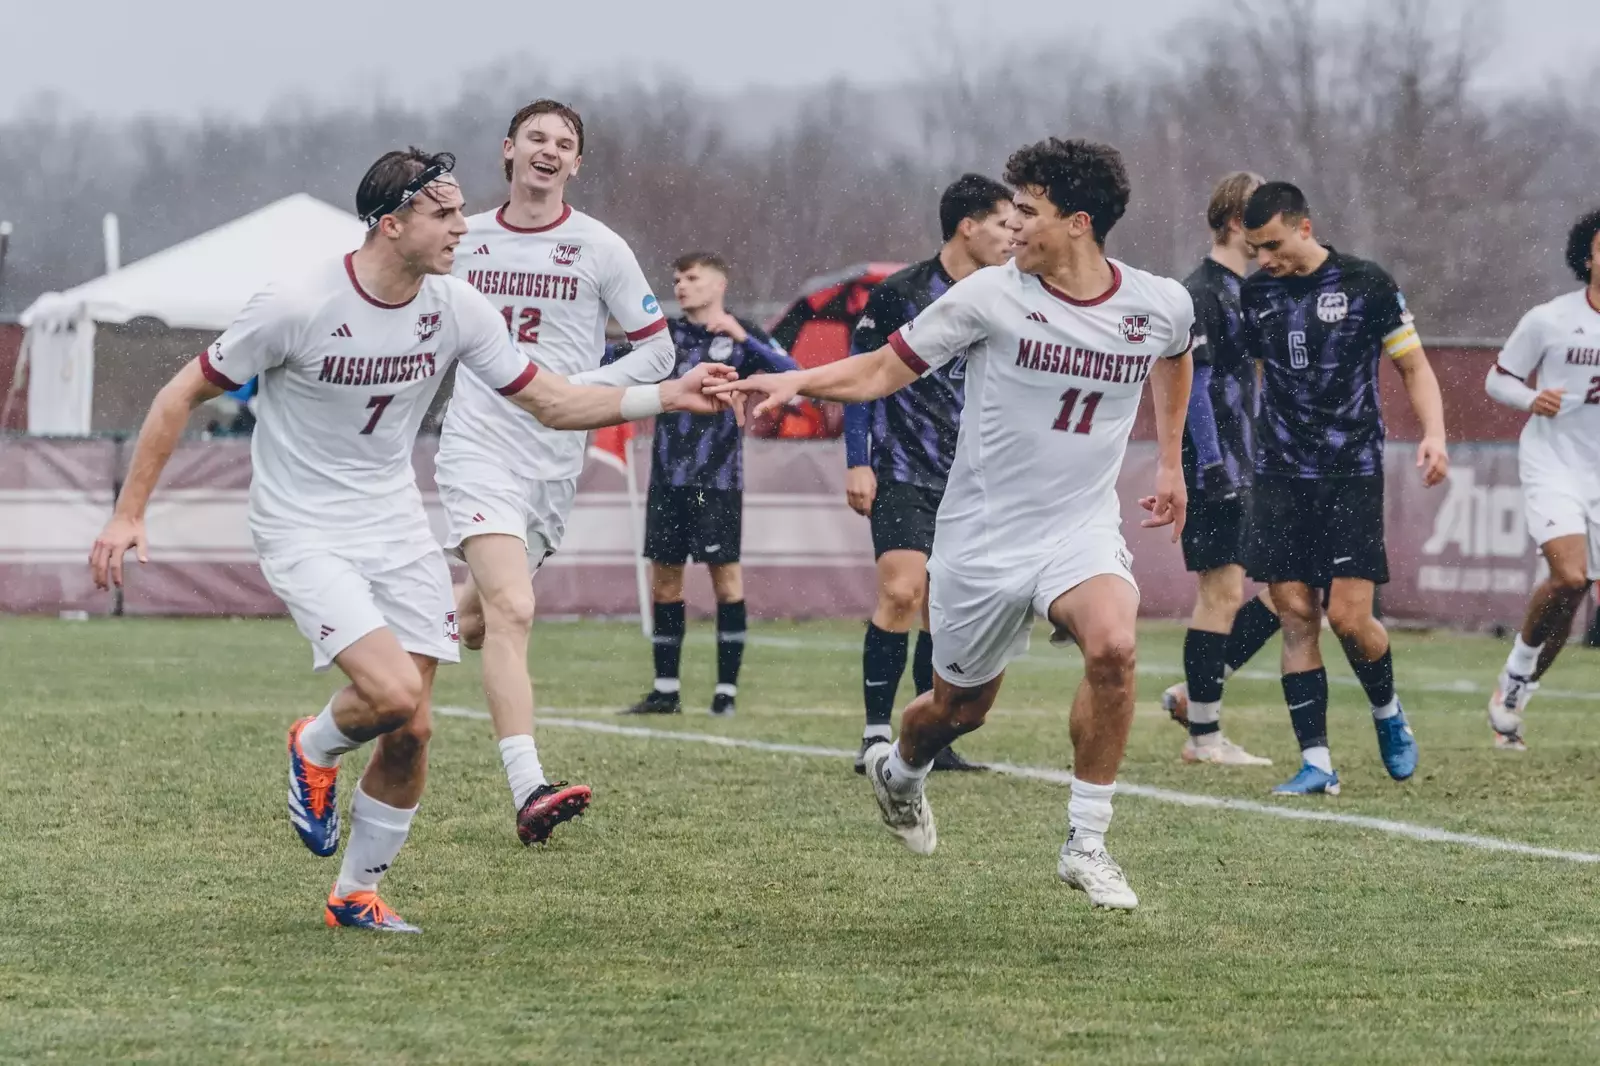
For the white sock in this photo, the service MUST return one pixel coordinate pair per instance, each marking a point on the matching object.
(725, 689)
(1089, 814)
(903, 778)
(1524, 658)
(520, 756)
(1319, 756)
(1205, 713)
(667, 684)
(377, 832)
(322, 743)
(877, 732)
(1388, 710)
(1227, 672)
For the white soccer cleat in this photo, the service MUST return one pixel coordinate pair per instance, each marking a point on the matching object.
(1095, 873)
(1221, 752)
(1510, 699)
(910, 819)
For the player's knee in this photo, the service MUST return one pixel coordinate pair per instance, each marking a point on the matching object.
(1571, 578)
(1218, 598)
(510, 610)
(1347, 619)
(394, 699)
(1109, 660)
(967, 711)
(901, 598)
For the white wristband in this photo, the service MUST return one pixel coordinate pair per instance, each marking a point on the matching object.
(641, 401)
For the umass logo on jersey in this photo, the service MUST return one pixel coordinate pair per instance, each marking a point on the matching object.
(1135, 328)
(427, 325)
(565, 254)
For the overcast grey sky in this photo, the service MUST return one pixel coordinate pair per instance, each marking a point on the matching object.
(185, 57)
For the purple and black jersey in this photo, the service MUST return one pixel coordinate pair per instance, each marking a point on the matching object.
(1219, 435)
(705, 451)
(1320, 339)
(908, 436)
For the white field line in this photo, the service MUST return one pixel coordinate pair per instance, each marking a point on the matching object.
(1409, 830)
(1031, 660)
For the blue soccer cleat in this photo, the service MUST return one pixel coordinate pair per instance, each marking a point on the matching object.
(364, 910)
(1309, 781)
(313, 797)
(1397, 745)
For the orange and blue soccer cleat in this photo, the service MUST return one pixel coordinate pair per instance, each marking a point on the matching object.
(548, 807)
(313, 797)
(363, 910)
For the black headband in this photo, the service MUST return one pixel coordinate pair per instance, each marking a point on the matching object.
(427, 176)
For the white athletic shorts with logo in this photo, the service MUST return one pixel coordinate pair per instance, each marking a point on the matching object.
(981, 622)
(1556, 506)
(480, 496)
(336, 597)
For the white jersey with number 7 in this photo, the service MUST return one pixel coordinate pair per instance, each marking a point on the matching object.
(1053, 388)
(344, 383)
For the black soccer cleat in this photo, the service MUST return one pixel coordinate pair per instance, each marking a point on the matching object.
(949, 759)
(722, 705)
(656, 702)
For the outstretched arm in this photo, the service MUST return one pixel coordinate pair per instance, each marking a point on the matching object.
(169, 412)
(560, 404)
(853, 380)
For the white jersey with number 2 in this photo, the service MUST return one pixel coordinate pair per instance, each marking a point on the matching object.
(1053, 387)
(1560, 342)
(554, 287)
(345, 382)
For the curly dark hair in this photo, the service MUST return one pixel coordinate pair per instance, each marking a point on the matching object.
(1580, 245)
(1076, 176)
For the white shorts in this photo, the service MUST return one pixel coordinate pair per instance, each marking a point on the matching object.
(980, 623)
(1557, 509)
(484, 497)
(336, 599)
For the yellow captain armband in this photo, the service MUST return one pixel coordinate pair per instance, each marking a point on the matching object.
(1402, 341)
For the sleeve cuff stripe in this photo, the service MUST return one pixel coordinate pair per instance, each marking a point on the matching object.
(649, 331)
(527, 375)
(906, 354)
(215, 376)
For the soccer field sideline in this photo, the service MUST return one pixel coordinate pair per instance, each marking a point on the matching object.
(1409, 830)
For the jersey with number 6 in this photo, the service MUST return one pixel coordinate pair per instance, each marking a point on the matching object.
(1560, 342)
(1053, 386)
(344, 383)
(555, 287)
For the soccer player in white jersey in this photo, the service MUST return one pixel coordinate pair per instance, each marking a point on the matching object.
(349, 355)
(1058, 345)
(507, 481)
(1557, 344)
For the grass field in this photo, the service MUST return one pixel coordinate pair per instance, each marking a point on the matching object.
(731, 905)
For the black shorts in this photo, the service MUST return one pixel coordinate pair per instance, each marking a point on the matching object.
(1216, 534)
(1313, 530)
(683, 521)
(903, 518)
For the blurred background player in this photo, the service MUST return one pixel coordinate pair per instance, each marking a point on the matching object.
(1321, 322)
(1559, 462)
(1058, 342)
(695, 505)
(349, 356)
(899, 450)
(1218, 464)
(507, 483)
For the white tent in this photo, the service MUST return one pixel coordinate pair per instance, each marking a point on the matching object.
(200, 283)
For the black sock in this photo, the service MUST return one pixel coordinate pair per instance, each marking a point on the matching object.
(1202, 672)
(1307, 696)
(1253, 626)
(730, 641)
(666, 643)
(1377, 676)
(922, 663)
(883, 660)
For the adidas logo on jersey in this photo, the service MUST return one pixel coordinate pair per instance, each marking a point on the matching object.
(342, 331)
(482, 249)
(327, 631)
(1034, 316)
(478, 517)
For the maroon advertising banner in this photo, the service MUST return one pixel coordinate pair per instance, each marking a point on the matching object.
(1459, 553)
